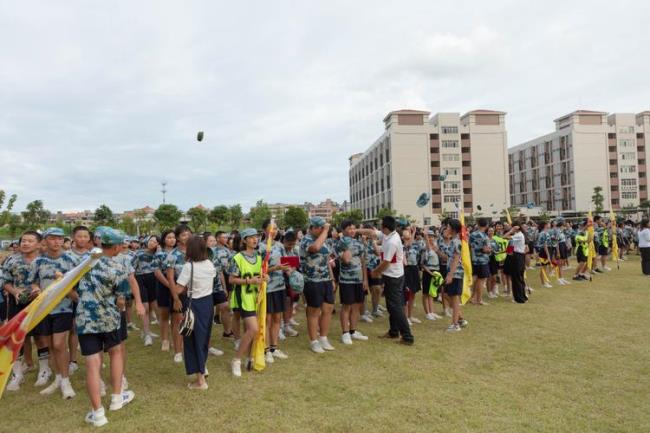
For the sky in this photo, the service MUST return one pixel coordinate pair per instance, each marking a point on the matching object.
(101, 101)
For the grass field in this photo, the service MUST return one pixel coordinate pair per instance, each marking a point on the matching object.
(574, 359)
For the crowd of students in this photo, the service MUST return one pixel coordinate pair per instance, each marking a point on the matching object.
(218, 276)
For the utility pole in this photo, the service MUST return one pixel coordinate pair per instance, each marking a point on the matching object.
(164, 190)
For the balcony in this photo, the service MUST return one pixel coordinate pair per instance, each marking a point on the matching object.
(467, 184)
(467, 170)
(467, 157)
(435, 157)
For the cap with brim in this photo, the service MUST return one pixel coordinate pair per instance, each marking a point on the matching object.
(248, 233)
(99, 230)
(53, 231)
(317, 221)
(111, 236)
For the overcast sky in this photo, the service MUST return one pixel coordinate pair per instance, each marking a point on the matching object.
(101, 100)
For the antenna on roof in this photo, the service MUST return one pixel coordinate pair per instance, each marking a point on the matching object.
(164, 189)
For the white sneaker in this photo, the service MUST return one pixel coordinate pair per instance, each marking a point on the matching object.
(97, 418)
(268, 357)
(429, 316)
(560, 282)
(607, 268)
(235, 366)
(378, 313)
(53, 387)
(281, 335)
(365, 318)
(289, 331)
(359, 336)
(132, 327)
(153, 321)
(277, 353)
(72, 368)
(381, 308)
(118, 401)
(453, 328)
(153, 335)
(125, 383)
(215, 352)
(408, 319)
(43, 377)
(236, 343)
(415, 320)
(206, 372)
(548, 286)
(15, 382)
(448, 312)
(346, 338)
(316, 347)
(293, 322)
(325, 343)
(436, 316)
(66, 389)
(178, 358)
(102, 388)
(148, 341)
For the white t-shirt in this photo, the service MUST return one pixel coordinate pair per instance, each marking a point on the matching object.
(644, 238)
(519, 242)
(203, 280)
(393, 251)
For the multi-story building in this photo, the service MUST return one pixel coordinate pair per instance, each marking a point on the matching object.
(325, 209)
(461, 161)
(588, 149)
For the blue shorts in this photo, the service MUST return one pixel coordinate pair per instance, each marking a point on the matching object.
(318, 293)
(455, 288)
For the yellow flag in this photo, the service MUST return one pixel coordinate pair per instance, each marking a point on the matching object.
(590, 240)
(259, 344)
(12, 334)
(466, 261)
(508, 218)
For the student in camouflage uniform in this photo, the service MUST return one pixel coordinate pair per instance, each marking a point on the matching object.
(97, 320)
(412, 284)
(221, 256)
(145, 264)
(353, 281)
(319, 291)
(55, 326)
(163, 288)
(15, 281)
(173, 266)
(481, 249)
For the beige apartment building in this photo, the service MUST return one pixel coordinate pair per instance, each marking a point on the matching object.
(461, 161)
(559, 171)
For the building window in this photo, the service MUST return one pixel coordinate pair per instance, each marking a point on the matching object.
(626, 143)
(451, 186)
(387, 155)
(451, 171)
(433, 136)
(381, 159)
(614, 188)
(465, 150)
(435, 191)
(615, 201)
(388, 181)
(435, 205)
(612, 162)
(612, 148)
(626, 130)
(467, 204)
(448, 144)
(613, 175)
(628, 169)
(464, 136)
(467, 177)
(467, 190)
(611, 135)
(452, 199)
(435, 163)
(642, 161)
(628, 182)
(628, 156)
(467, 164)
(450, 130)
(450, 157)
(435, 150)
(628, 195)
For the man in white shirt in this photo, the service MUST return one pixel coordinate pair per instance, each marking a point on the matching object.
(391, 270)
(518, 243)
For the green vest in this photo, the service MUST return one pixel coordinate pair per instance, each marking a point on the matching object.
(500, 255)
(581, 243)
(604, 239)
(248, 270)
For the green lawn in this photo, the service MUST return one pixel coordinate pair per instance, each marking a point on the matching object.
(574, 359)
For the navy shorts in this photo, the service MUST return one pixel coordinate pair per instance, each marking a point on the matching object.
(275, 302)
(374, 281)
(318, 293)
(95, 343)
(582, 258)
(163, 296)
(351, 293)
(147, 284)
(602, 250)
(455, 288)
(481, 270)
(564, 251)
(412, 278)
(122, 332)
(219, 297)
(54, 324)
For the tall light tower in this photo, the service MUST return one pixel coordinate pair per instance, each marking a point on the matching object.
(164, 189)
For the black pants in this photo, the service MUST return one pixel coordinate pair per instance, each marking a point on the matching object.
(518, 264)
(645, 260)
(395, 304)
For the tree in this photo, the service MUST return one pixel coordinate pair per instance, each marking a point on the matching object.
(236, 215)
(597, 199)
(259, 214)
(104, 216)
(295, 217)
(219, 215)
(384, 211)
(355, 215)
(128, 225)
(14, 224)
(5, 215)
(167, 216)
(198, 218)
(35, 216)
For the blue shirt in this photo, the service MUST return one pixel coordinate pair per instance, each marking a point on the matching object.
(145, 262)
(351, 272)
(43, 273)
(314, 266)
(477, 241)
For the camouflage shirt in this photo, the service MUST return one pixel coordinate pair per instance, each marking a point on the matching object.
(175, 259)
(430, 260)
(276, 278)
(412, 252)
(15, 271)
(477, 241)
(351, 272)
(451, 249)
(43, 273)
(371, 254)
(98, 291)
(145, 262)
(314, 266)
